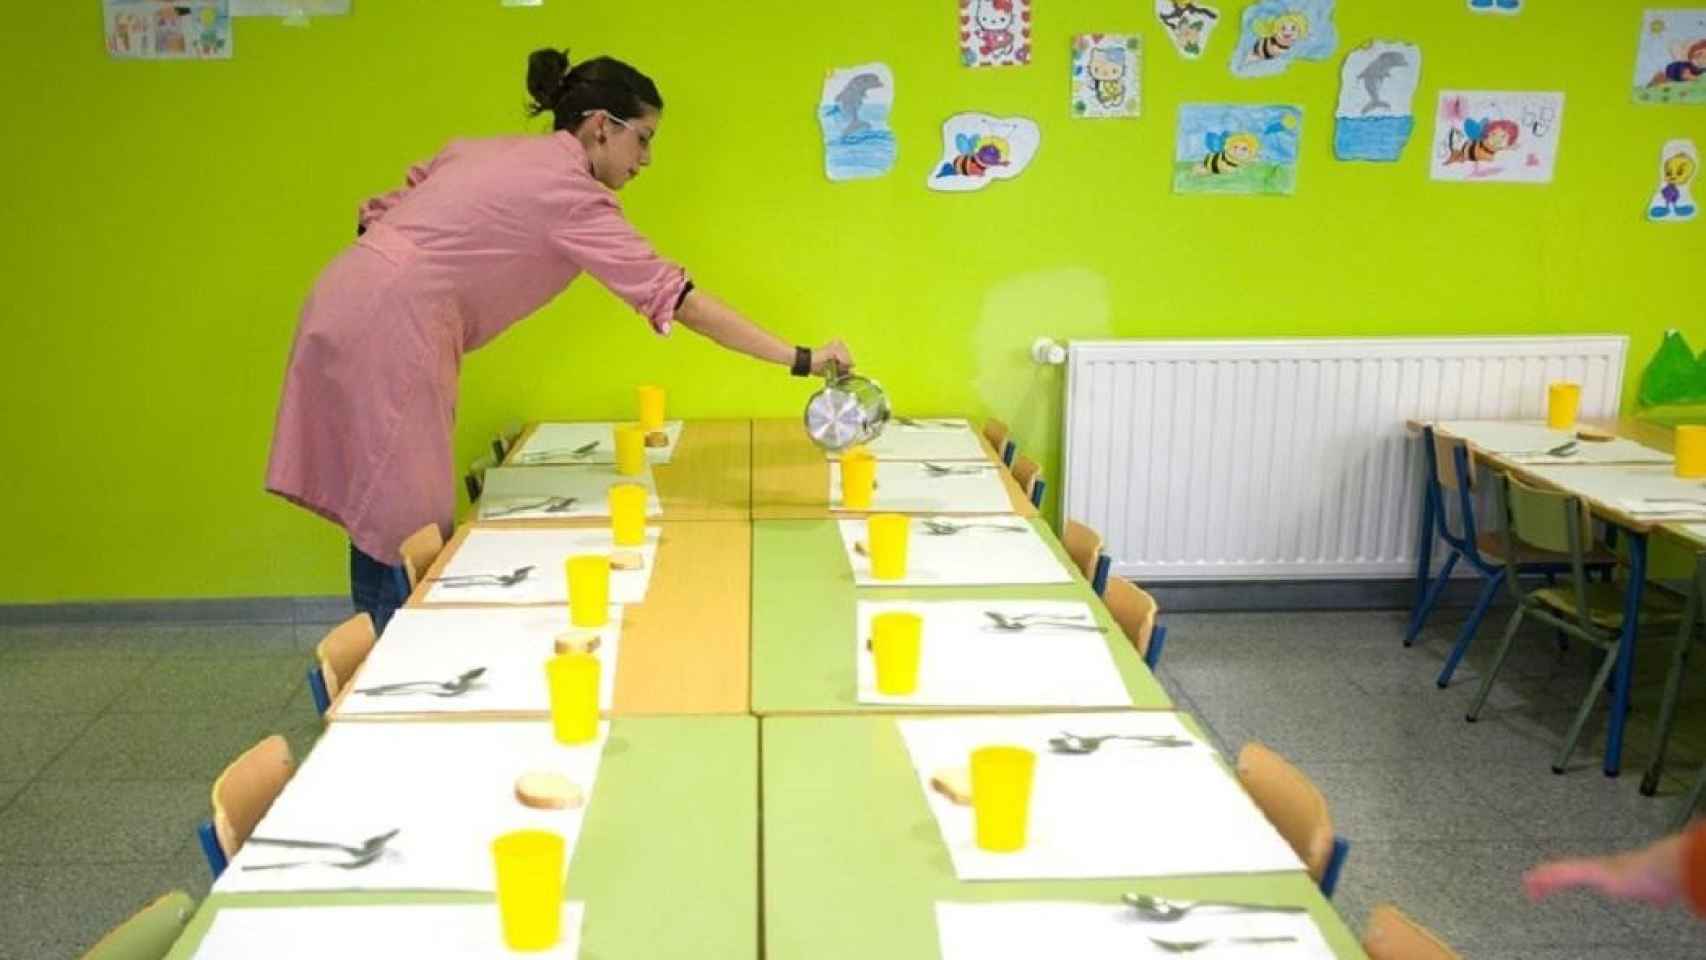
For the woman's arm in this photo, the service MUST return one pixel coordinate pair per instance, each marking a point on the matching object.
(1672, 869)
(706, 315)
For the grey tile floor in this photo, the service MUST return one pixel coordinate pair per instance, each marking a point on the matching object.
(110, 737)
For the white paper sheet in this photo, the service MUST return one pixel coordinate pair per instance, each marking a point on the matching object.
(503, 551)
(1647, 491)
(1098, 931)
(518, 493)
(448, 788)
(976, 556)
(932, 439)
(555, 443)
(1123, 811)
(513, 645)
(967, 661)
(289, 8)
(908, 487)
(418, 931)
(1528, 441)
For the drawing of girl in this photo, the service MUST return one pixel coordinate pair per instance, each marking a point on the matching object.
(1276, 37)
(1480, 140)
(1689, 65)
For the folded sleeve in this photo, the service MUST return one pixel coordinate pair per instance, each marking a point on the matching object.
(597, 238)
(375, 207)
(1694, 867)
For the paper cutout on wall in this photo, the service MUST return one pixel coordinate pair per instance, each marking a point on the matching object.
(1235, 148)
(1274, 33)
(995, 33)
(1377, 88)
(854, 114)
(1107, 75)
(1496, 6)
(1189, 25)
(162, 30)
(978, 149)
(1670, 62)
(1673, 202)
(290, 8)
(1509, 137)
(1675, 376)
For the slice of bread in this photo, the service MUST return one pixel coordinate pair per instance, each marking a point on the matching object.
(578, 641)
(627, 560)
(548, 791)
(955, 784)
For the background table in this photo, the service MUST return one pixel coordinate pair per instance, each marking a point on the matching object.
(790, 474)
(708, 478)
(667, 862)
(685, 649)
(854, 863)
(803, 601)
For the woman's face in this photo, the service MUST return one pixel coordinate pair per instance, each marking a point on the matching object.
(619, 148)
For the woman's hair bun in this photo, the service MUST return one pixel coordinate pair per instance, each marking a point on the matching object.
(546, 70)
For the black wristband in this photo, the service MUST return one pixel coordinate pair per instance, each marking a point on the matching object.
(802, 362)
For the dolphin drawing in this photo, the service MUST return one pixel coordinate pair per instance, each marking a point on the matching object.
(1376, 74)
(852, 97)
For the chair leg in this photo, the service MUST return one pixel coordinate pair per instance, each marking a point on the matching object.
(1498, 663)
(1585, 710)
(1686, 812)
(1431, 598)
(1467, 634)
(1673, 691)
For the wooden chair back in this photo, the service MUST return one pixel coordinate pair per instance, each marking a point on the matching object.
(1026, 472)
(1134, 610)
(1391, 935)
(246, 789)
(1084, 546)
(1291, 802)
(997, 433)
(1445, 463)
(342, 651)
(420, 550)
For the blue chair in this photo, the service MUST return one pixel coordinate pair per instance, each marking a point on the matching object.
(1099, 581)
(1000, 440)
(1084, 546)
(242, 795)
(1028, 474)
(317, 690)
(1137, 612)
(1450, 468)
(1298, 810)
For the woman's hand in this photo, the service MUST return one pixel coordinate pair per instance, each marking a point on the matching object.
(833, 350)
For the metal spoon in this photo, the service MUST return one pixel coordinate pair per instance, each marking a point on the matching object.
(485, 579)
(1192, 946)
(455, 687)
(355, 864)
(944, 527)
(366, 847)
(547, 505)
(577, 453)
(1078, 746)
(1014, 625)
(925, 424)
(1167, 911)
(963, 470)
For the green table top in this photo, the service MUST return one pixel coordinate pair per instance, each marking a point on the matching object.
(667, 861)
(803, 619)
(854, 863)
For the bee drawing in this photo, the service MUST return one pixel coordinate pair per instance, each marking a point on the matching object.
(977, 154)
(1481, 140)
(1228, 152)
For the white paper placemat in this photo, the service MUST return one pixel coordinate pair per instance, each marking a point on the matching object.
(909, 487)
(557, 443)
(933, 439)
(1527, 441)
(1095, 931)
(512, 644)
(489, 551)
(447, 788)
(1122, 811)
(521, 493)
(1646, 491)
(418, 931)
(967, 660)
(976, 556)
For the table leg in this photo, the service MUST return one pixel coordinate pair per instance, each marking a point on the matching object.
(1626, 652)
(1424, 558)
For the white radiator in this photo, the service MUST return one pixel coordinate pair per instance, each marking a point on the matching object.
(1288, 459)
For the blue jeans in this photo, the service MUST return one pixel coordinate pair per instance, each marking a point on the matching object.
(376, 589)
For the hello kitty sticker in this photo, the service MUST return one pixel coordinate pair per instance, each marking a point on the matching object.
(995, 33)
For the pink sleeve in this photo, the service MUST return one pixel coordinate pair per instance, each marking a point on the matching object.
(599, 240)
(375, 207)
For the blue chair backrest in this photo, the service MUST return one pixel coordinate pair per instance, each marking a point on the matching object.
(1157, 640)
(210, 848)
(317, 690)
(1335, 864)
(1008, 452)
(1099, 582)
(1037, 492)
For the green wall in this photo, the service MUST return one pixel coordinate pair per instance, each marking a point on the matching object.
(166, 219)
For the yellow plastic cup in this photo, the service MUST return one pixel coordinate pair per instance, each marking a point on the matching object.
(628, 514)
(858, 479)
(573, 679)
(1563, 400)
(651, 407)
(630, 450)
(1001, 796)
(1691, 451)
(888, 535)
(897, 640)
(589, 590)
(530, 888)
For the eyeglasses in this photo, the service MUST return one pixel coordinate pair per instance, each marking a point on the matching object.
(644, 136)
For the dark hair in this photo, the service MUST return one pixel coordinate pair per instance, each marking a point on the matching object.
(602, 83)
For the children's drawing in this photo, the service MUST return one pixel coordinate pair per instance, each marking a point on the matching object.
(1107, 75)
(1670, 64)
(995, 33)
(1233, 148)
(1675, 377)
(1188, 25)
(1377, 86)
(854, 114)
(1510, 137)
(1679, 161)
(168, 29)
(289, 8)
(1276, 32)
(1511, 7)
(978, 149)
